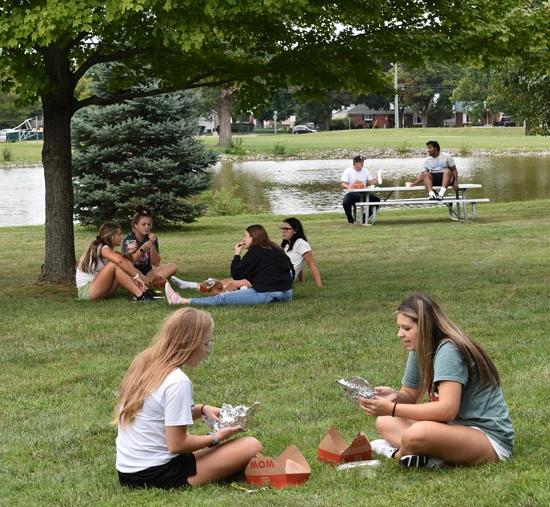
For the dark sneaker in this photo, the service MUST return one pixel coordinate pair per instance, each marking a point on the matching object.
(438, 197)
(419, 461)
(432, 198)
(146, 297)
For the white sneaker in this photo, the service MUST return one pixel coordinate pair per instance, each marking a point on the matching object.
(383, 448)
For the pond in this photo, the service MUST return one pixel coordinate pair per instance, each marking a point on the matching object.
(304, 186)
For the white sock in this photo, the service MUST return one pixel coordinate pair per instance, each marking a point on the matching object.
(182, 284)
(431, 193)
(442, 191)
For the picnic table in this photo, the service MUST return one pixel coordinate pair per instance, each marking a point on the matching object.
(455, 201)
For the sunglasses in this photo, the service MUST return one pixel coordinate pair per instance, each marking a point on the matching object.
(287, 229)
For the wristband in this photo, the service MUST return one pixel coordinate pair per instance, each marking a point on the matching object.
(136, 277)
(215, 440)
(202, 409)
(393, 411)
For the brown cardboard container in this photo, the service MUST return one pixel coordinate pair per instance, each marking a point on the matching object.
(333, 449)
(290, 468)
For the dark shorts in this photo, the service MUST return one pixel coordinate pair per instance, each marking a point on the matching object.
(437, 179)
(144, 268)
(171, 475)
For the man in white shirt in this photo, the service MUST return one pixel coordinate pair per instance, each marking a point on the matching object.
(439, 169)
(356, 177)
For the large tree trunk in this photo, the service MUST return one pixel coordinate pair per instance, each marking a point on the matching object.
(59, 264)
(223, 108)
(424, 119)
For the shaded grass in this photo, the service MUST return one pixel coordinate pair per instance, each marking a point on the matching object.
(62, 360)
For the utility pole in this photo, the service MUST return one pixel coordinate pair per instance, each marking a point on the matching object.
(396, 102)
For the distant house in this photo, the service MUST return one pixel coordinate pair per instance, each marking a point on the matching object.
(362, 116)
(208, 123)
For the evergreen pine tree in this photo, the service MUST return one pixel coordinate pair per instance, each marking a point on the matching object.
(142, 151)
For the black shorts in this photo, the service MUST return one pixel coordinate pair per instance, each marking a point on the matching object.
(173, 474)
(437, 179)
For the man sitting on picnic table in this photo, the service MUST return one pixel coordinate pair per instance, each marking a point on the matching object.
(356, 177)
(439, 170)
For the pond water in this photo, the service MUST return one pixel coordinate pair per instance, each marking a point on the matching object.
(304, 186)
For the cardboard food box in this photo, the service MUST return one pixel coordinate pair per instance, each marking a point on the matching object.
(290, 468)
(333, 449)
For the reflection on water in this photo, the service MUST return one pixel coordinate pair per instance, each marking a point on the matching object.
(305, 186)
(22, 196)
(310, 186)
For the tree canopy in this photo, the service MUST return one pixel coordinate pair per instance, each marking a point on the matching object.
(47, 47)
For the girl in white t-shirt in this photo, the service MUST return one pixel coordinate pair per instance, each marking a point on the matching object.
(101, 271)
(155, 406)
(298, 249)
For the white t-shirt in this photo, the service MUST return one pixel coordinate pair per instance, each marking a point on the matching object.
(350, 175)
(82, 278)
(142, 444)
(296, 255)
(438, 164)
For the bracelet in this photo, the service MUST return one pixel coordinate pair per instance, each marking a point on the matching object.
(393, 411)
(202, 409)
(215, 440)
(136, 277)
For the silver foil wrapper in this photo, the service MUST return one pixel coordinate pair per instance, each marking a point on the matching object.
(356, 386)
(230, 415)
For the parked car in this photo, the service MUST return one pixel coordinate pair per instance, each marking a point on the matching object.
(505, 121)
(302, 129)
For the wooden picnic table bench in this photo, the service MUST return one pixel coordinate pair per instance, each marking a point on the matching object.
(453, 199)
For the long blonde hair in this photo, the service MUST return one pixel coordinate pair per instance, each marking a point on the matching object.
(180, 335)
(90, 257)
(434, 327)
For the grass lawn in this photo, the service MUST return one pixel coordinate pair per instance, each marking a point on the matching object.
(62, 360)
(462, 140)
(27, 151)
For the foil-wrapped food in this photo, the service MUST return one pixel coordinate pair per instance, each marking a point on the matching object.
(239, 415)
(356, 386)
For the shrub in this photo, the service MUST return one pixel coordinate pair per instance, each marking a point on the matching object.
(279, 149)
(222, 202)
(143, 151)
(6, 154)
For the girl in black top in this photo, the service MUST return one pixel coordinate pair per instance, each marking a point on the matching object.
(265, 266)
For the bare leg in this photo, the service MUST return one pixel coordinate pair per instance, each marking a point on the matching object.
(158, 276)
(427, 180)
(225, 460)
(391, 428)
(452, 443)
(230, 285)
(446, 178)
(109, 279)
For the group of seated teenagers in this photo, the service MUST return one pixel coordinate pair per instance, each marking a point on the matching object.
(264, 274)
(465, 421)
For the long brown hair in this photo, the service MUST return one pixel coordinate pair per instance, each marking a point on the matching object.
(180, 335)
(90, 257)
(260, 237)
(140, 211)
(434, 327)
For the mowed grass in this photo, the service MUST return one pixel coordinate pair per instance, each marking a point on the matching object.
(464, 140)
(62, 360)
(27, 151)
